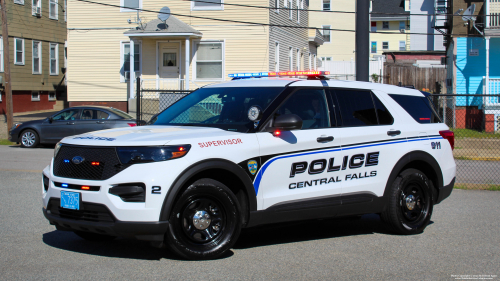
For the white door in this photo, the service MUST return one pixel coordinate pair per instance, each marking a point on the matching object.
(169, 61)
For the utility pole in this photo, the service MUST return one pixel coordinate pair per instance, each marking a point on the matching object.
(6, 60)
(362, 40)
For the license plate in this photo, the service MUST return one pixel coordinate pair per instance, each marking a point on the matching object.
(70, 200)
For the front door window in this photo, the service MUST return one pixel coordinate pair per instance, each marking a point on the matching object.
(169, 59)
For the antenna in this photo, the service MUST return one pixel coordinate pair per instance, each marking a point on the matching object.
(458, 12)
(468, 14)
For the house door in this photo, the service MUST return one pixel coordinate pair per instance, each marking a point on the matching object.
(168, 64)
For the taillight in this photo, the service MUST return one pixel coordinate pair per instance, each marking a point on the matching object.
(132, 124)
(450, 136)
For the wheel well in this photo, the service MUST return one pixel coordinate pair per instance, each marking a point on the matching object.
(23, 130)
(428, 170)
(231, 181)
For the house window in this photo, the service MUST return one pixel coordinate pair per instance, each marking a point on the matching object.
(385, 25)
(19, 2)
(35, 96)
(374, 26)
(310, 61)
(37, 57)
(209, 60)
(53, 9)
(300, 5)
(277, 5)
(290, 58)
(125, 69)
(402, 45)
(19, 58)
(374, 47)
(36, 8)
(277, 57)
(315, 62)
(298, 59)
(207, 5)
(52, 96)
(130, 5)
(65, 10)
(326, 5)
(385, 45)
(326, 33)
(1, 59)
(402, 25)
(54, 59)
(290, 14)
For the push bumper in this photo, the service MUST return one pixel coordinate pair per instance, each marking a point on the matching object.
(445, 191)
(148, 231)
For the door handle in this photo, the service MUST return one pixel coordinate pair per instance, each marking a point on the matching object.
(100, 122)
(325, 139)
(70, 123)
(393, 132)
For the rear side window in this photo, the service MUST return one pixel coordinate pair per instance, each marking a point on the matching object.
(361, 108)
(419, 107)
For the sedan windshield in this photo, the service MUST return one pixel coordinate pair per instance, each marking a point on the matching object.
(224, 108)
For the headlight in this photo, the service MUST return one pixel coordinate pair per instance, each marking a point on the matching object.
(146, 154)
(56, 148)
(16, 126)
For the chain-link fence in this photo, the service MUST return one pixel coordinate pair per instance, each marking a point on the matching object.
(475, 120)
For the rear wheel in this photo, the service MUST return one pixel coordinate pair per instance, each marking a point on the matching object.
(205, 221)
(96, 237)
(29, 139)
(410, 203)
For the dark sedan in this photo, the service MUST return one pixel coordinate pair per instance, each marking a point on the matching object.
(68, 122)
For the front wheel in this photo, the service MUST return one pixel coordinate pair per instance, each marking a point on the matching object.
(205, 221)
(29, 139)
(410, 203)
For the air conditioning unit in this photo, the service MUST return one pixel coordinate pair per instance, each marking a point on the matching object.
(402, 30)
(38, 12)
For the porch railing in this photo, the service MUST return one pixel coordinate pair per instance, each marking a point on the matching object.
(163, 84)
(493, 89)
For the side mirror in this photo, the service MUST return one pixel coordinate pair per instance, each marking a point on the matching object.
(287, 122)
(50, 119)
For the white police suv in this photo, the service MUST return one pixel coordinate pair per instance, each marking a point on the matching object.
(250, 152)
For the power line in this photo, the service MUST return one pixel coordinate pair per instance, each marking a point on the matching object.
(323, 11)
(261, 24)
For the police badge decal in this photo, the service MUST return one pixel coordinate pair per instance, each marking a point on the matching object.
(252, 166)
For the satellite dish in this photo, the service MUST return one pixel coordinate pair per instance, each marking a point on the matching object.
(468, 14)
(458, 12)
(164, 14)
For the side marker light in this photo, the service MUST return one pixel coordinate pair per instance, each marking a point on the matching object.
(85, 187)
(277, 133)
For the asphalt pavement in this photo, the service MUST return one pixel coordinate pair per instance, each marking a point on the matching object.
(462, 240)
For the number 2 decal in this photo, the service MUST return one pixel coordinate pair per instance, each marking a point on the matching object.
(156, 190)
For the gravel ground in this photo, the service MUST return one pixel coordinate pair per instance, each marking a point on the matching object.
(463, 239)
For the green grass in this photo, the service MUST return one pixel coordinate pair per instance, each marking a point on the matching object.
(468, 133)
(5, 142)
(491, 187)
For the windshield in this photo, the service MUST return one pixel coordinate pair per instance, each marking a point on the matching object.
(224, 108)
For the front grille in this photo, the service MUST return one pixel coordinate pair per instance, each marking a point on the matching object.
(88, 212)
(109, 164)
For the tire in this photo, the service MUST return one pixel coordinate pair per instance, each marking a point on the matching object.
(95, 237)
(410, 203)
(29, 139)
(205, 221)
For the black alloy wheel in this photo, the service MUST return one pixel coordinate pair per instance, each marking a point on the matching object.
(205, 221)
(410, 203)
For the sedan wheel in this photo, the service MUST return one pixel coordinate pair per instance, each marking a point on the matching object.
(29, 139)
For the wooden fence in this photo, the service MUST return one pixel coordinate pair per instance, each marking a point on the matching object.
(411, 75)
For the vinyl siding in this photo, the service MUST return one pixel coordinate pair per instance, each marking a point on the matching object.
(95, 72)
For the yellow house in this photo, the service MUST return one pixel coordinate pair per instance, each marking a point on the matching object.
(338, 45)
(200, 43)
(390, 25)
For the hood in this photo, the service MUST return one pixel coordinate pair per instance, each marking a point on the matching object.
(146, 136)
(31, 122)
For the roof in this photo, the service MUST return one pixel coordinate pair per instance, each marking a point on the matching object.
(387, 7)
(172, 26)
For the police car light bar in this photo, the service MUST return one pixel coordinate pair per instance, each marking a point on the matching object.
(279, 74)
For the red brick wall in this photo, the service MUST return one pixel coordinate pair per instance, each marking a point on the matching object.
(121, 105)
(21, 101)
(490, 123)
(469, 118)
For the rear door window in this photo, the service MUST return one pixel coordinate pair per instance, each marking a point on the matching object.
(419, 107)
(361, 108)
